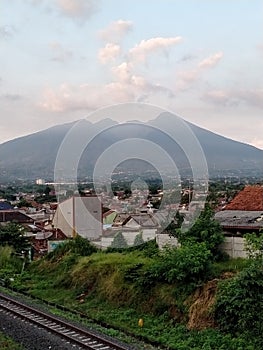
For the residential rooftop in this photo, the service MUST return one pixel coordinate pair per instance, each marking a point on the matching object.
(249, 199)
(14, 216)
(240, 219)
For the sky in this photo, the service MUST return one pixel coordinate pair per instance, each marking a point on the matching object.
(63, 59)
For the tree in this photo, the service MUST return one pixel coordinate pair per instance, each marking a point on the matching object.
(206, 229)
(173, 223)
(119, 241)
(47, 190)
(12, 235)
(23, 203)
(138, 239)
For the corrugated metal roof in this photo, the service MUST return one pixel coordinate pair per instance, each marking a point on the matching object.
(240, 218)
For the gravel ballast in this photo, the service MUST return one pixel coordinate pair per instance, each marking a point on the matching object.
(30, 336)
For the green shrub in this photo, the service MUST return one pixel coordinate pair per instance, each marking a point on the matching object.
(187, 265)
(78, 245)
(254, 245)
(239, 305)
(205, 230)
(10, 264)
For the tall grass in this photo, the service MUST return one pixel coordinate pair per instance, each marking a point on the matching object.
(5, 256)
(8, 261)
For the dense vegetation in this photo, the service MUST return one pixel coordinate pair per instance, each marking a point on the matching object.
(12, 235)
(13, 247)
(239, 307)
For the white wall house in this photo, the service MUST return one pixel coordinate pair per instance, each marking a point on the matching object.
(80, 215)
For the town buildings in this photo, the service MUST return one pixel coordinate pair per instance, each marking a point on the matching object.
(49, 224)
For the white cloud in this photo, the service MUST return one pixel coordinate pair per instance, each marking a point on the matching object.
(84, 97)
(138, 81)
(211, 61)
(53, 101)
(118, 92)
(233, 97)
(109, 53)
(219, 97)
(116, 30)
(89, 97)
(126, 84)
(123, 72)
(59, 53)
(186, 78)
(77, 9)
(147, 47)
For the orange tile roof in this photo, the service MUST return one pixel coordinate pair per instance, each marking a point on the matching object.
(251, 198)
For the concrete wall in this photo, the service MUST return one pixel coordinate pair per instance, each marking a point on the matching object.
(105, 242)
(163, 240)
(234, 247)
(148, 234)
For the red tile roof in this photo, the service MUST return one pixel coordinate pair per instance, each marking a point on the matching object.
(251, 198)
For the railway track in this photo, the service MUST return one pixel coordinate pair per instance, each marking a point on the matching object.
(83, 339)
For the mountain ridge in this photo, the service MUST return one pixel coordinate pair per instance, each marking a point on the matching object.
(34, 155)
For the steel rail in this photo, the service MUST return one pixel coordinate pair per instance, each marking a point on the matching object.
(85, 339)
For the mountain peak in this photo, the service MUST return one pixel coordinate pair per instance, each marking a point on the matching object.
(34, 155)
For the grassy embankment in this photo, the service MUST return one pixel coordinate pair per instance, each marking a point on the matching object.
(174, 292)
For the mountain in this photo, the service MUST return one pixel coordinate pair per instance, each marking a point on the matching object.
(223, 154)
(34, 156)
